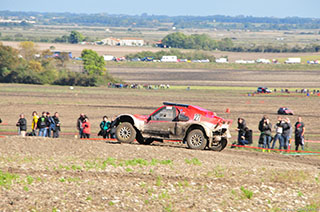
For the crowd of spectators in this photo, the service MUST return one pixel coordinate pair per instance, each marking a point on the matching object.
(283, 133)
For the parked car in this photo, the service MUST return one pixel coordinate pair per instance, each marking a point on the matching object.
(263, 90)
(147, 59)
(198, 127)
(136, 59)
(285, 111)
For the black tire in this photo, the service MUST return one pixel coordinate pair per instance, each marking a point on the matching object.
(146, 141)
(196, 140)
(223, 143)
(125, 132)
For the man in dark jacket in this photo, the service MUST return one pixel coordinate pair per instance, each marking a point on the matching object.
(22, 124)
(79, 124)
(241, 130)
(56, 129)
(299, 134)
(42, 125)
(265, 128)
(287, 131)
(50, 124)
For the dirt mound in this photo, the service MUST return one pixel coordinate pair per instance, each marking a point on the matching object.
(69, 175)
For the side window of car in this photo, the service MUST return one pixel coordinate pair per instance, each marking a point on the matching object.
(165, 114)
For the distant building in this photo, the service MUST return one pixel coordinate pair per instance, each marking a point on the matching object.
(131, 42)
(122, 42)
(110, 41)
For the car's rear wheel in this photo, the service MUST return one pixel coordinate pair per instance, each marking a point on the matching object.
(196, 139)
(125, 132)
(223, 143)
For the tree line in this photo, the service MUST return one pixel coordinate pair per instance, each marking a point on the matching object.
(196, 55)
(30, 66)
(205, 42)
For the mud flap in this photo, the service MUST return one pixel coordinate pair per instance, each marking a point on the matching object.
(223, 143)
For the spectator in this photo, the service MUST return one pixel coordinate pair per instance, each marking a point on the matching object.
(22, 124)
(79, 124)
(265, 128)
(246, 137)
(278, 135)
(113, 127)
(35, 118)
(105, 127)
(287, 131)
(50, 125)
(42, 125)
(86, 128)
(57, 128)
(241, 129)
(299, 134)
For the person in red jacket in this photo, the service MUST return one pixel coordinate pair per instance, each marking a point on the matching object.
(86, 126)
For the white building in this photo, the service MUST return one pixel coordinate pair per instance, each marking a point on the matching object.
(122, 42)
(110, 41)
(131, 42)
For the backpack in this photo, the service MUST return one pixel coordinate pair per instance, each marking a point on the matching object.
(52, 123)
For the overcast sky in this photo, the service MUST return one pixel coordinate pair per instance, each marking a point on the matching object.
(259, 8)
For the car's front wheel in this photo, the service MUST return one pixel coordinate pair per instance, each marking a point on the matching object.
(196, 139)
(125, 132)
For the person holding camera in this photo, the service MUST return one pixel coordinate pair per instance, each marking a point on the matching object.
(265, 128)
(22, 124)
(278, 136)
(286, 134)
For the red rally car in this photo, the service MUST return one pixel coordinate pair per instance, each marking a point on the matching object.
(198, 127)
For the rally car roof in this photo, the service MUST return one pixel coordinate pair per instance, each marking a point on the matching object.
(175, 104)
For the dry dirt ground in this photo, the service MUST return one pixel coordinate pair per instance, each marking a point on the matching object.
(73, 175)
(67, 174)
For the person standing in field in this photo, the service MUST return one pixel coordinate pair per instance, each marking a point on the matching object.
(35, 118)
(299, 133)
(79, 124)
(57, 129)
(50, 124)
(287, 131)
(265, 128)
(278, 136)
(42, 125)
(22, 124)
(86, 126)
